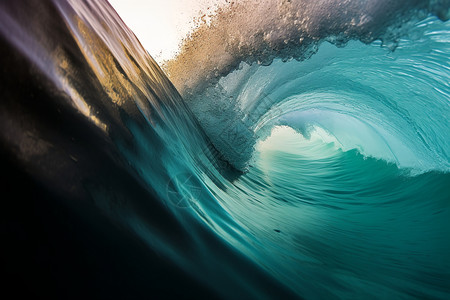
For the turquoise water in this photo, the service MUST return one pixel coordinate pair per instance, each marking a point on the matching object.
(294, 152)
(359, 224)
(346, 188)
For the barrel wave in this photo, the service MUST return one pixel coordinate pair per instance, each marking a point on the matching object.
(296, 150)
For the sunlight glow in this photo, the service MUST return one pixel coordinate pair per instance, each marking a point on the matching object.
(161, 25)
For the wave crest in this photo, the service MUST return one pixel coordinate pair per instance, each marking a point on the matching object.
(258, 31)
(226, 75)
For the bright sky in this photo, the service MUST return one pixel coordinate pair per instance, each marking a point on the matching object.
(160, 25)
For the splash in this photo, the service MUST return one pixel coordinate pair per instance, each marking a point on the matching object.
(248, 31)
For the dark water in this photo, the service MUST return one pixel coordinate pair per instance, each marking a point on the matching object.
(304, 158)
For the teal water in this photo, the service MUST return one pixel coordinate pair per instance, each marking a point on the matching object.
(310, 211)
(300, 149)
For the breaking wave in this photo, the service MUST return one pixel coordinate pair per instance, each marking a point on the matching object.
(300, 150)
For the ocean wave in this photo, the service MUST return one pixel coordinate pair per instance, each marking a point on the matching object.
(231, 75)
(115, 186)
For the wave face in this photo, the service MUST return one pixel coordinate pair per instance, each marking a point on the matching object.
(307, 156)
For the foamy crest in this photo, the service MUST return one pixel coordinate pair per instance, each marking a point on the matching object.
(259, 31)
